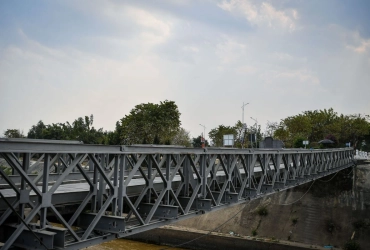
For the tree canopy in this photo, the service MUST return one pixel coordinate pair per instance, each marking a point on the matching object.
(149, 123)
(82, 129)
(13, 133)
(197, 142)
(238, 130)
(320, 124)
(182, 138)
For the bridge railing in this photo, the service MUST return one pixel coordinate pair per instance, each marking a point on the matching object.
(96, 193)
(362, 155)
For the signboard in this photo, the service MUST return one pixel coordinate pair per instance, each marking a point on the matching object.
(305, 142)
(228, 140)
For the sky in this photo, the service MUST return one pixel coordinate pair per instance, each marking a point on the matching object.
(60, 60)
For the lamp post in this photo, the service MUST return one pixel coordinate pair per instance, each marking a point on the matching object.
(204, 134)
(256, 122)
(256, 129)
(243, 111)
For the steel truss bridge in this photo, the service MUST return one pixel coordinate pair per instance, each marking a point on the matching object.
(70, 196)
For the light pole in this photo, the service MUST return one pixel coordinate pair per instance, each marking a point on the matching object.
(256, 122)
(243, 111)
(256, 129)
(204, 134)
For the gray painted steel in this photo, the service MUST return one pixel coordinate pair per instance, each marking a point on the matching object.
(99, 193)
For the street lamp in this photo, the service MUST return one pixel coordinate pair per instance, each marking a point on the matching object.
(255, 121)
(204, 134)
(243, 111)
(256, 129)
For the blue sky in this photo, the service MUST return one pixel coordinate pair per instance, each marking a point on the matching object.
(60, 60)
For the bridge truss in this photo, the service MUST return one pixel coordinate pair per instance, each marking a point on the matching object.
(69, 196)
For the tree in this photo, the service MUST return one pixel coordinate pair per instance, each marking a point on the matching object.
(147, 122)
(36, 131)
(298, 142)
(239, 131)
(182, 138)
(82, 129)
(197, 142)
(271, 127)
(13, 133)
(354, 129)
(216, 134)
(319, 124)
(57, 131)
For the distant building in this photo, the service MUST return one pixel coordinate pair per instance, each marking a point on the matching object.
(269, 142)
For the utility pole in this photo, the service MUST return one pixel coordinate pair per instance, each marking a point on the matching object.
(243, 124)
(204, 134)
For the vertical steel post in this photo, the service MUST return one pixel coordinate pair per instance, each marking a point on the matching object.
(168, 182)
(115, 184)
(149, 192)
(25, 166)
(45, 189)
(203, 174)
(121, 187)
(186, 176)
(95, 182)
(101, 190)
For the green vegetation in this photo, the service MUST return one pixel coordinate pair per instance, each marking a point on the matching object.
(81, 129)
(145, 124)
(149, 124)
(197, 142)
(294, 220)
(182, 138)
(330, 226)
(240, 134)
(319, 124)
(262, 211)
(352, 245)
(361, 224)
(13, 133)
(7, 171)
(254, 232)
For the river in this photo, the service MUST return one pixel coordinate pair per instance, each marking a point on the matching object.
(129, 245)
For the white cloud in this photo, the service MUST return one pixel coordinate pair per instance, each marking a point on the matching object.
(153, 27)
(262, 14)
(145, 53)
(362, 47)
(60, 84)
(301, 77)
(230, 50)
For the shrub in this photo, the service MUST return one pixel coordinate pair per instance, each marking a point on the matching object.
(360, 224)
(254, 232)
(352, 245)
(262, 211)
(294, 220)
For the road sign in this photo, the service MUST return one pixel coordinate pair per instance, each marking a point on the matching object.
(228, 140)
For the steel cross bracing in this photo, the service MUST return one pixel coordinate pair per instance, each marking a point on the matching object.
(70, 196)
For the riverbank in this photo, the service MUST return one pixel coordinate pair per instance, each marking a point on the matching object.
(199, 239)
(331, 211)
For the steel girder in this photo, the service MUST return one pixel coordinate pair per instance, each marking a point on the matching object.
(130, 189)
